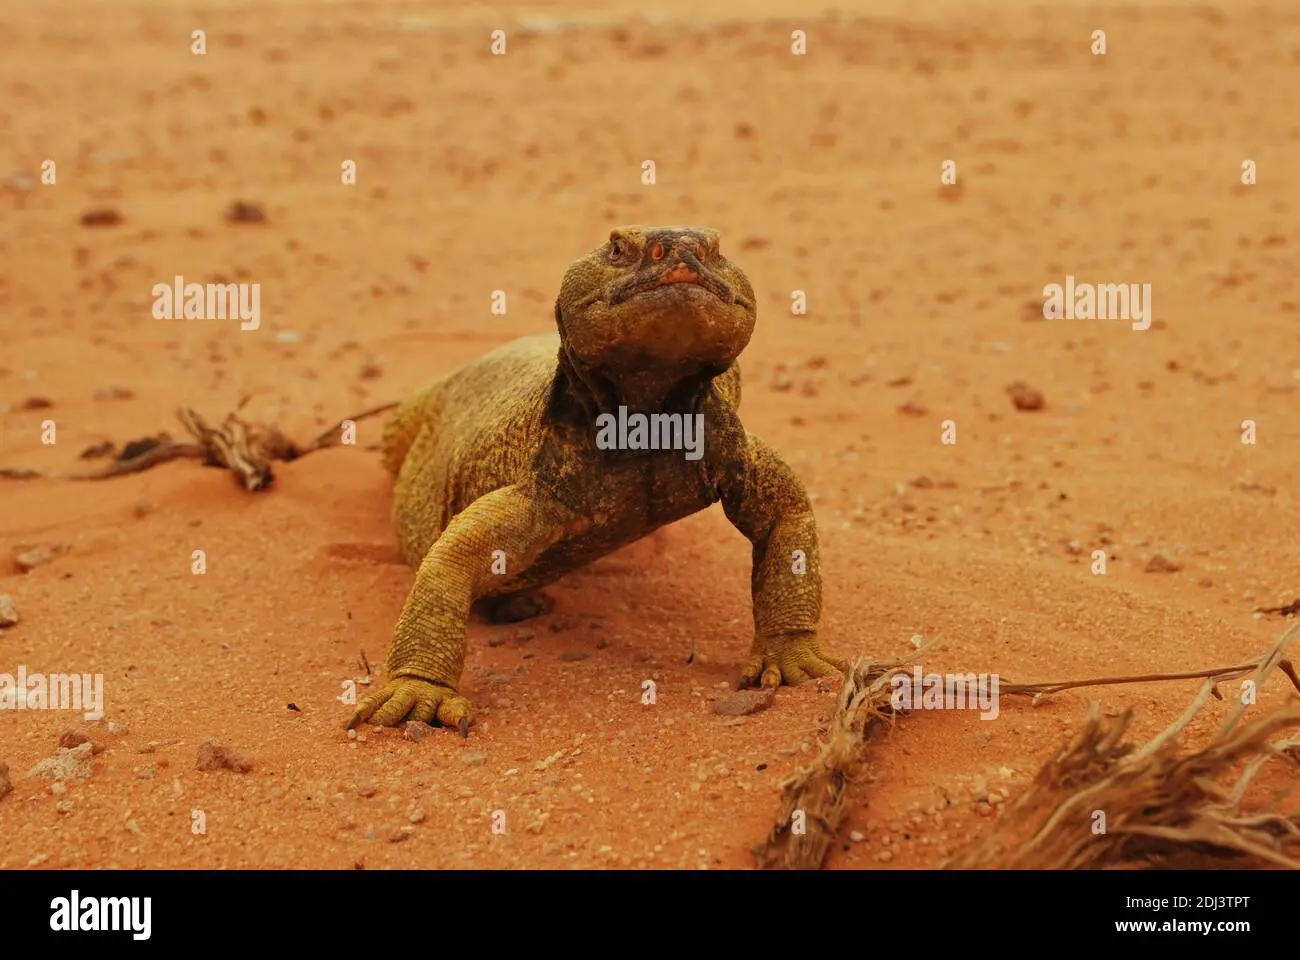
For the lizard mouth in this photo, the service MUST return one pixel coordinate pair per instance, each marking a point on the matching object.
(681, 274)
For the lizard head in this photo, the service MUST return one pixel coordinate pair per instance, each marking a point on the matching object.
(655, 303)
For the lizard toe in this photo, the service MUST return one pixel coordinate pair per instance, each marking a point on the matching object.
(409, 698)
(792, 662)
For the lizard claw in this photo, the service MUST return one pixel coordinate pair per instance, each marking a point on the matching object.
(791, 660)
(409, 698)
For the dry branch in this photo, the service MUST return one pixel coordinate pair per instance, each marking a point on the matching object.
(246, 449)
(817, 791)
(1103, 801)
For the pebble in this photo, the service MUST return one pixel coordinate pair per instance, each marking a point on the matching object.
(8, 615)
(67, 764)
(473, 758)
(856, 836)
(415, 731)
(214, 756)
(75, 738)
(744, 702)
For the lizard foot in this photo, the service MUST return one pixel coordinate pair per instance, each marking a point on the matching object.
(409, 698)
(790, 659)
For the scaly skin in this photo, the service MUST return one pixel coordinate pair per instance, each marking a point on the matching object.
(497, 462)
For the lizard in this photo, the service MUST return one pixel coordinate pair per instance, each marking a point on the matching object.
(502, 483)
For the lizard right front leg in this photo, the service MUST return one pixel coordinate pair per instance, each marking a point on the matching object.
(428, 653)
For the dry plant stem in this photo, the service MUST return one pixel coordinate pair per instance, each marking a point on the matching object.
(1218, 674)
(330, 438)
(818, 790)
(161, 453)
(1163, 807)
(245, 449)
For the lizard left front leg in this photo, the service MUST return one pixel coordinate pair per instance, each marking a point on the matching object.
(765, 501)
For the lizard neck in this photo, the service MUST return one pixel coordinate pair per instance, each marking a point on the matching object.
(582, 393)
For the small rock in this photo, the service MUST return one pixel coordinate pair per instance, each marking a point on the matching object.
(75, 738)
(213, 756)
(856, 836)
(473, 758)
(67, 764)
(401, 833)
(101, 217)
(744, 702)
(114, 393)
(1025, 397)
(498, 639)
(913, 409)
(572, 656)
(8, 615)
(1158, 564)
(36, 403)
(415, 731)
(241, 212)
(27, 559)
(417, 816)
(6, 784)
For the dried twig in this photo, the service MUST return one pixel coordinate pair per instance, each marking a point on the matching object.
(813, 799)
(1102, 801)
(246, 449)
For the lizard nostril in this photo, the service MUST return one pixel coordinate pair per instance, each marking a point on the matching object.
(657, 252)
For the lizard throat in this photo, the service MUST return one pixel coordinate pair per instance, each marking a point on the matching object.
(588, 392)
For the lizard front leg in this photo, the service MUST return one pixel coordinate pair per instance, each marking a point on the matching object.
(428, 652)
(765, 501)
